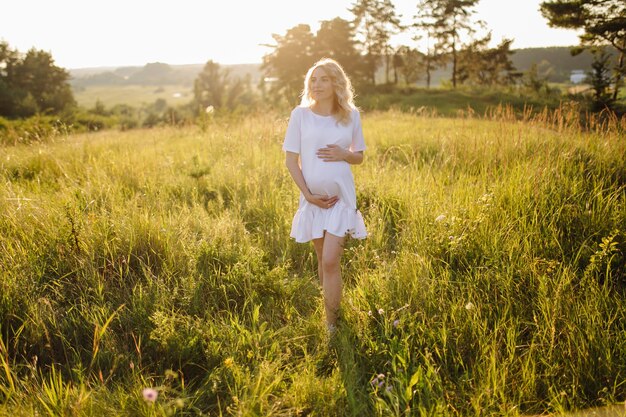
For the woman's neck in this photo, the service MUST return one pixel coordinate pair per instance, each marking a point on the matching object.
(324, 108)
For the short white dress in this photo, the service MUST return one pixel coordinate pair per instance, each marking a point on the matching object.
(307, 132)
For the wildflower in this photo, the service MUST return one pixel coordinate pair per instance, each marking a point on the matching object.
(228, 362)
(150, 394)
(469, 306)
(369, 313)
(396, 323)
(381, 311)
(210, 110)
(440, 218)
(388, 388)
(378, 380)
(486, 199)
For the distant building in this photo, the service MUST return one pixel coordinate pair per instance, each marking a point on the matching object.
(577, 76)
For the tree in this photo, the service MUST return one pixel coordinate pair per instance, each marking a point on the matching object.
(9, 94)
(292, 56)
(600, 78)
(32, 83)
(481, 65)
(375, 21)
(335, 39)
(46, 82)
(446, 21)
(536, 77)
(603, 22)
(210, 86)
(433, 57)
(410, 63)
(215, 87)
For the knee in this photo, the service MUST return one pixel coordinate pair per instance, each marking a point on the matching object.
(330, 264)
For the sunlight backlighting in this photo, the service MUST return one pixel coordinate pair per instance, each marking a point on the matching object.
(87, 34)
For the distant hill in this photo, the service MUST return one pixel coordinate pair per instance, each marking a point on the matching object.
(558, 59)
(152, 74)
(555, 62)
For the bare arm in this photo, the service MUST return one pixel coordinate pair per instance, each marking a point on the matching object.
(291, 161)
(336, 153)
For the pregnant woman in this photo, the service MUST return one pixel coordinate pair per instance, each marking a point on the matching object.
(323, 138)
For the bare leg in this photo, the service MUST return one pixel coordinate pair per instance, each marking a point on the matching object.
(331, 284)
(318, 244)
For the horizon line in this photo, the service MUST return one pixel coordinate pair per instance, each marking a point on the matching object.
(251, 63)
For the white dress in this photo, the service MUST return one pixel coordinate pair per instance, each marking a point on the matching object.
(307, 132)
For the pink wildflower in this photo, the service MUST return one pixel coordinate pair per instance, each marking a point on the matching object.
(150, 394)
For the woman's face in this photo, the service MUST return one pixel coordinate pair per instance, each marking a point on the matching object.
(321, 85)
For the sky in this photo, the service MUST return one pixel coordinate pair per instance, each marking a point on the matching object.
(88, 33)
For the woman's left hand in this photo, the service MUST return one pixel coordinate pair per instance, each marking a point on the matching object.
(332, 153)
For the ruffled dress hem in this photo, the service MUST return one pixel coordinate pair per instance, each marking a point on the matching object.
(310, 222)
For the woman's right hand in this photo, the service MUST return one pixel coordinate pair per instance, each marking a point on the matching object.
(322, 201)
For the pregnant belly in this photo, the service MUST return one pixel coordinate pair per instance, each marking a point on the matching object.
(328, 187)
(327, 178)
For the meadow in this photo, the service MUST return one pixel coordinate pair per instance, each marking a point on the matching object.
(132, 95)
(492, 281)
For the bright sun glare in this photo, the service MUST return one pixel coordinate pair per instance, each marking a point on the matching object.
(83, 34)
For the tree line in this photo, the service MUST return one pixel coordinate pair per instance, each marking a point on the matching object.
(363, 46)
(445, 34)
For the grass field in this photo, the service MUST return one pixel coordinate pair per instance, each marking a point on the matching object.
(492, 281)
(132, 95)
(445, 101)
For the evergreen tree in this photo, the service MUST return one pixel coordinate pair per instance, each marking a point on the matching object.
(210, 86)
(446, 21)
(428, 60)
(215, 87)
(433, 57)
(603, 22)
(536, 77)
(481, 65)
(375, 21)
(600, 78)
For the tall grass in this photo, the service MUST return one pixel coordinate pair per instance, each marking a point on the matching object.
(492, 281)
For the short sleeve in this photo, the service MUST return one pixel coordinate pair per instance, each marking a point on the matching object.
(292, 137)
(358, 142)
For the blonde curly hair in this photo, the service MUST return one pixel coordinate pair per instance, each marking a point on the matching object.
(344, 93)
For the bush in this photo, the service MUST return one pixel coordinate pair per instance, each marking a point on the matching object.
(34, 129)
